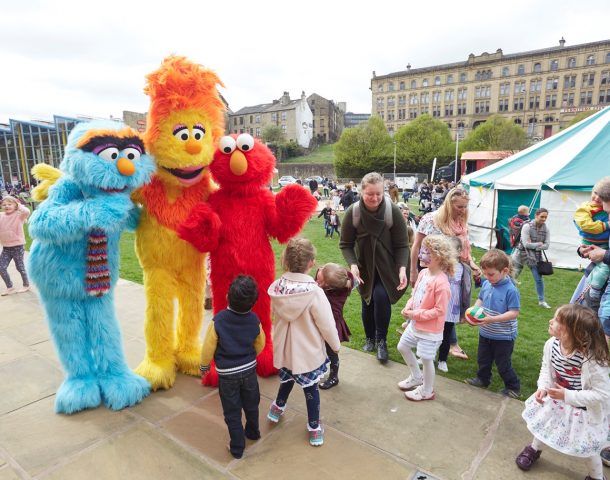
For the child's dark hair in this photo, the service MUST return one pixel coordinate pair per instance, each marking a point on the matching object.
(297, 255)
(496, 259)
(585, 331)
(243, 294)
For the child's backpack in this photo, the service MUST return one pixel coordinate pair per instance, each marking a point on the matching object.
(387, 215)
(515, 224)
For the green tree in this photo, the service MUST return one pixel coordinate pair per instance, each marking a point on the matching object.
(496, 133)
(273, 134)
(419, 141)
(580, 116)
(365, 148)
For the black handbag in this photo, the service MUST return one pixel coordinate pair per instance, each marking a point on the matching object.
(544, 266)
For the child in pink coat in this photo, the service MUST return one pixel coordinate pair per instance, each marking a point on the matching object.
(425, 313)
(12, 239)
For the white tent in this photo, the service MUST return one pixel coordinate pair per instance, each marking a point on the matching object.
(557, 174)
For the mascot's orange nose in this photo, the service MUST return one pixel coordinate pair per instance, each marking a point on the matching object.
(238, 163)
(193, 146)
(125, 167)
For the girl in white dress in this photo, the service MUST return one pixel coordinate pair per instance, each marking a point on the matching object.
(569, 411)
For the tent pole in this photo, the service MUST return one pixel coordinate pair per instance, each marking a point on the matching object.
(491, 232)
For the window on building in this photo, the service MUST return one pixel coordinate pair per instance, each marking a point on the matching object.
(552, 83)
(391, 101)
(569, 81)
(519, 87)
(518, 103)
(521, 69)
(391, 87)
(482, 91)
(274, 114)
(461, 109)
(402, 100)
(424, 109)
(258, 132)
(604, 96)
(283, 116)
(605, 77)
(257, 119)
(424, 82)
(413, 84)
(505, 72)
(424, 98)
(436, 97)
(449, 110)
(517, 121)
(413, 99)
(462, 77)
(550, 101)
(391, 116)
(251, 131)
(549, 119)
(481, 106)
(503, 105)
(234, 121)
(537, 67)
(588, 79)
(436, 111)
(586, 98)
(504, 89)
(568, 100)
(251, 118)
(478, 76)
(402, 85)
(437, 80)
(536, 85)
(571, 62)
(591, 60)
(380, 87)
(284, 128)
(534, 102)
(449, 78)
(462, 93)
(241, 120)
(554, 65)
(413, 113)
(448, 95)
(608, 57)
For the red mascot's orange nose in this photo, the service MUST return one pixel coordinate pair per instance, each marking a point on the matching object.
(238, 163)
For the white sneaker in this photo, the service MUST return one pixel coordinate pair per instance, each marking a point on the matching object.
(24, 289)
(543, 304)
(418, 395)
(410, 383)
(9, 291)
(442, 366)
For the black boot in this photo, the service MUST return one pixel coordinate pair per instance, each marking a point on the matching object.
(333, 378)
(382, 351)
(369, 345)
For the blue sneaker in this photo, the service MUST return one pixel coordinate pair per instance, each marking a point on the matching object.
(275, 413)
(316, 437)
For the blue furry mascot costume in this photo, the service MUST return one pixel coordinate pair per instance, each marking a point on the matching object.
(74, 262)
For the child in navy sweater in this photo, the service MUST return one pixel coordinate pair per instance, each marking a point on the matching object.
(234, 338)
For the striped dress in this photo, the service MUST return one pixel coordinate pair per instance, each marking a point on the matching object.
(561, 426)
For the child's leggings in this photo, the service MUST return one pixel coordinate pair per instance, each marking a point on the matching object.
(13, 253)
(594, 463)
(312, 399)
(405, 349)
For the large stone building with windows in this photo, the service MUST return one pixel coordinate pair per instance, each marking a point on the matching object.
(541, 90)
(328, 118)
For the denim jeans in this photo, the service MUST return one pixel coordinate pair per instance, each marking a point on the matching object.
(237, 392)
(539, 283)
(499, 352)
(376, 315)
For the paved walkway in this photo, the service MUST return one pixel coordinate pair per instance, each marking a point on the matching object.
(371, 430)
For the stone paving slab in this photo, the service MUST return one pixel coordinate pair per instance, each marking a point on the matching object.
(371, 430)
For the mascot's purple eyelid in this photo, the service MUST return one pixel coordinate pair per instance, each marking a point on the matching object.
(101, 148)
(177, 128)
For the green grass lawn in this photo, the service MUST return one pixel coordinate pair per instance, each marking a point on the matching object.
(533, 320)
(322, 154)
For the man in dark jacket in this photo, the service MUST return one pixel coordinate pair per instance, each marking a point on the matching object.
(349, 197)
(313, 185)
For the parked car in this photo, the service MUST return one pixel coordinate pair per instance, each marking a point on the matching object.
(317, 178)
(286, 180)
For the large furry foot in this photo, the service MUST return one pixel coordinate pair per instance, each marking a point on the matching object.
(76, 394)
(159, 374)
(187, 361)
(264, 363)
(123, 390)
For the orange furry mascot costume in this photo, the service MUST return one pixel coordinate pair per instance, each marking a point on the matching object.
(185, 121)
(236, 223)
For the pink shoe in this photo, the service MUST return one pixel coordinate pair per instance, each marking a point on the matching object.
(9, 291)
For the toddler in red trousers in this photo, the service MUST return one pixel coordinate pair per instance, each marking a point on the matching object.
(425, 313)
(303, 322)
(12, 240)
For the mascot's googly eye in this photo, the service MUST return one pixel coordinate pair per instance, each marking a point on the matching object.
(110, 153)
(198, 132)
(227, 145)
(181, 132)
(132, 154)
(245, 142)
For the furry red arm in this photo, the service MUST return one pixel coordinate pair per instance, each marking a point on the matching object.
(201, 228)
(293, 207)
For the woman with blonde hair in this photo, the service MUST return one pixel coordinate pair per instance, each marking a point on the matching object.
(451, 219)
(374, 243)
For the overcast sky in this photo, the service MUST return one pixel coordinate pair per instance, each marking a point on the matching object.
(68, 58)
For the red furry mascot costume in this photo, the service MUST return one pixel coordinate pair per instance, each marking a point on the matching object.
(236, 223)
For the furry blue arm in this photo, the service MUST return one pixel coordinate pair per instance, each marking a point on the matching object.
(133, 219)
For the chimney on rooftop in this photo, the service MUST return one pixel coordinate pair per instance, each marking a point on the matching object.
(562, 42)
